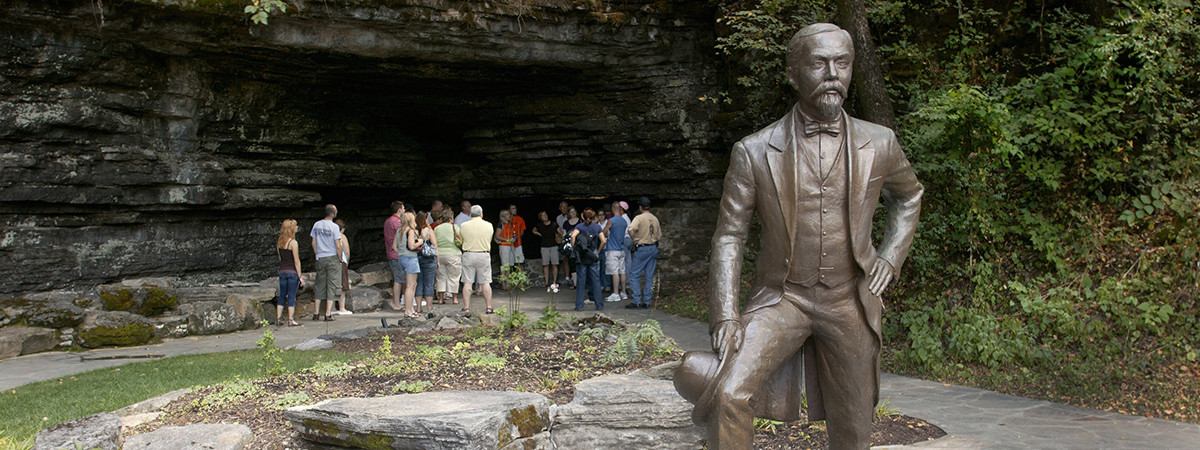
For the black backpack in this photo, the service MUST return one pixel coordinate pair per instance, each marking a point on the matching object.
(587, 248)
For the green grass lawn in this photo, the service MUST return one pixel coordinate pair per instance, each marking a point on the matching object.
(28, 409)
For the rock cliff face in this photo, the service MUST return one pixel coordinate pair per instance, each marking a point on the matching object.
(171, 137)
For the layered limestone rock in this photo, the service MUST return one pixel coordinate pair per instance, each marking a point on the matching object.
(202, 436)
(171, 137)
(206, 318)
(99, 431)
(17, 340)
(434, 420)
(651, 412)
(119, 328)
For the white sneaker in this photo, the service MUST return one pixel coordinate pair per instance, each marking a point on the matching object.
(612, 298)
(624, 296)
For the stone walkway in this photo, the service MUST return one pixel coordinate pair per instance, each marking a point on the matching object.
(973, 418)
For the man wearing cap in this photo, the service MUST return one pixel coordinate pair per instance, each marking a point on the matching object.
(646, 232)
(615, 251)
(813, 315)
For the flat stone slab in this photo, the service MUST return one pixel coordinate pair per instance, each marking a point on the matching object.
(625, 411)
(203, 436)
(434, 420)
(102, 431)
(17, 340)
(978, 419)
(313, 344)
(152, 404)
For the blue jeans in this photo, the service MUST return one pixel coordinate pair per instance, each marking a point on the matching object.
(428, 275)
(288, 284)
(589, 280)
(644, 260)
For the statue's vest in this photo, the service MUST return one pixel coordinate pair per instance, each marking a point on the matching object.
(821, 252)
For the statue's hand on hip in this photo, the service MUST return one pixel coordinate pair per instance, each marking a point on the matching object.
(727, 334)
(880, 275)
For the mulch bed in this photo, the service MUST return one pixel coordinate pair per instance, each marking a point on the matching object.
(532, 363)
(891, 430)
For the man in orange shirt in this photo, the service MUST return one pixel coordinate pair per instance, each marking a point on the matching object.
(518, 225)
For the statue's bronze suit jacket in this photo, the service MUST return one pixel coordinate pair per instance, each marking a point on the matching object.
(762, 177)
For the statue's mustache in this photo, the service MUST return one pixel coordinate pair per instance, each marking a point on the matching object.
(825, 88)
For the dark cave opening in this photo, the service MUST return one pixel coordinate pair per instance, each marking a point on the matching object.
(173, 142)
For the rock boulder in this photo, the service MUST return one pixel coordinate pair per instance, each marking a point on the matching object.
(206, 318)
(16, 340)
(248, 309)
(43, 312)
(378, 275)
(145, 296)
(264, 292)
(434, 420)
(203, 436)
(102, 328)
(102, 431)
(365, 299)
(175, 326)
(651, 412)
(58, 314)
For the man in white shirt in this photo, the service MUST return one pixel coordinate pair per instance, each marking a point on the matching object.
(562, 213)
(327, 244)
(465, 215)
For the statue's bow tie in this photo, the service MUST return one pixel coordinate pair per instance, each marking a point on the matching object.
(814, 127)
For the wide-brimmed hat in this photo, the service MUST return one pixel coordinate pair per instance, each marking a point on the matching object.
(694, 381)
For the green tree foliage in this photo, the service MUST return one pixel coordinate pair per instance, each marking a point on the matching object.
(260, 10)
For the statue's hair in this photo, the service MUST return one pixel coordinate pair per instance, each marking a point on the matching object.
(793, 48)
(816, 28)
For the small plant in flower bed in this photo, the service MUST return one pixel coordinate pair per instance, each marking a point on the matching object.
(396, 363)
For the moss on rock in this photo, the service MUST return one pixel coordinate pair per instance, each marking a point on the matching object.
(157, 301)
(527, 420)
(123, 335)
(142, 300)
(105, 328)
(119, 299)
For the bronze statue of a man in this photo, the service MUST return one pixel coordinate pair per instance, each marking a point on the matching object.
(812, 317)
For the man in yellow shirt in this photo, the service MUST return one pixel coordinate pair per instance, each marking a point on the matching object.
(477, 257)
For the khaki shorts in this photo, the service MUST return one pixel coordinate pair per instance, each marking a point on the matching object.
(614, 262)
(476, 267)
(549, 256)
(449, 272)
(329, 274)
(508, 255)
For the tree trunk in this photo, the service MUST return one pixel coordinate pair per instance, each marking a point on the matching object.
(873, 101)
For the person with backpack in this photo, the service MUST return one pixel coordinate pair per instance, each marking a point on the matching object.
(587, 241)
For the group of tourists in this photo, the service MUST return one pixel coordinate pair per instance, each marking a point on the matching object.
(434, 255)
(605, 248)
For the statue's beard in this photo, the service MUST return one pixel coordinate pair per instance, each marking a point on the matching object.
(828, 99)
